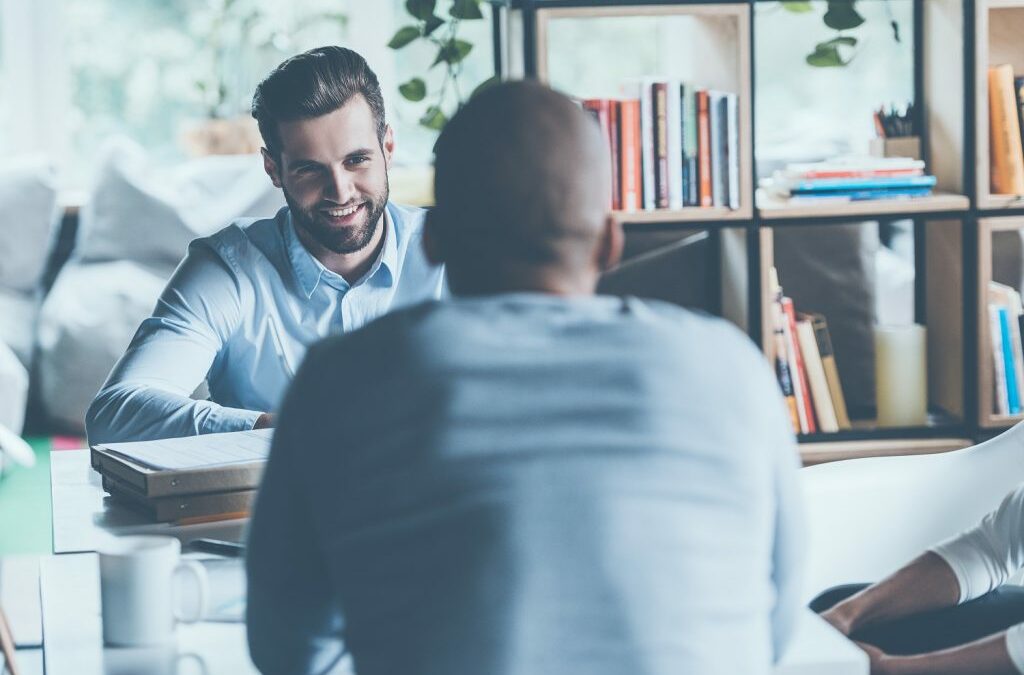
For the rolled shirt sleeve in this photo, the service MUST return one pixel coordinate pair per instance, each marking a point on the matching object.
(148, 393)
(984, 557)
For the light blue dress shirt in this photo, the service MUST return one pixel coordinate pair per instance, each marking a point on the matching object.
(240, 312)
(529, 484)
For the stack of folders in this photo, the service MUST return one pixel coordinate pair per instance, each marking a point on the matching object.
(181, 479)
(805, 365)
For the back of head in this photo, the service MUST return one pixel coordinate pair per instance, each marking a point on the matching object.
(522, 180)
(311, 84)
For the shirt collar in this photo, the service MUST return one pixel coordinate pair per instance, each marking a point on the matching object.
(310, 272)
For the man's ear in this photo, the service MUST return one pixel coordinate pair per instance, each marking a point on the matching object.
(609, 248)
(388, 145)
(431, 242)
(270, 166)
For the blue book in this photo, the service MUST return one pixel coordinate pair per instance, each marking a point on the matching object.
(858, 195)
(1011, 372)
(863, 183)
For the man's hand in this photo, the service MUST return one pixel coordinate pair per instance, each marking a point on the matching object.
(839, 620)
(265, 421)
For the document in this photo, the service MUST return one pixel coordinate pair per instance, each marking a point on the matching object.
(196, 452)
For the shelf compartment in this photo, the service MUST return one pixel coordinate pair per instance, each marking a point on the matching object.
(772, 208)
(705, 45)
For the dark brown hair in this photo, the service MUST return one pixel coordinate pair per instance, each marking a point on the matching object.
(311, 84)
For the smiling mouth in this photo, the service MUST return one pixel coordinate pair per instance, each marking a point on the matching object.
(343, 214)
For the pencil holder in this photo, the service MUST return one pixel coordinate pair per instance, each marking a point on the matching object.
(901, 146)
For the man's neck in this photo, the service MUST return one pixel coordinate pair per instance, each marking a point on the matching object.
(350, 266)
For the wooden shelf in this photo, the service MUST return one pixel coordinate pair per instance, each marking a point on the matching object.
(819, 453)
(690, 214)
(772, 208)
(987, 202)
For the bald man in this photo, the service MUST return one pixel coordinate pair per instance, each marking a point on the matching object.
(531, 479)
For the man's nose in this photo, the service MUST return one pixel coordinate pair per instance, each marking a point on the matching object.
(340, 188)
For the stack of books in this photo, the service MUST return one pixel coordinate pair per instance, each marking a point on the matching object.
(852, 179)
(805, 365)
(1004, 323)
(191, 479)
(672, 145)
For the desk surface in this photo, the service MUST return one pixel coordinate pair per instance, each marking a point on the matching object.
(83, 515)
(72, 626)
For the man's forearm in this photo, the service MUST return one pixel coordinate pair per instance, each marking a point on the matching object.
(988, 656)
(924, 584)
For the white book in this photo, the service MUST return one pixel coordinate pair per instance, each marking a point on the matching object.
(733, 149)
(193, 452)
(820, 395)
(674, 119)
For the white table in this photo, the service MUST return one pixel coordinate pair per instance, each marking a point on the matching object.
(72, 626)
(83, 515)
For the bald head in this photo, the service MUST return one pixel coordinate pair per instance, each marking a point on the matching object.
(522, 189)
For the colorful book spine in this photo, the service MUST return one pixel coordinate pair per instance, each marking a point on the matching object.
(1002, 399)
(800, 383)
(732, 150)
(828, 362)
(717, 131)
(614, 135)
(676, 159)
(661, 172)
(1012, 391)
(647, 157)
(630, 167)
(704, 148)
(823, 409)
(691, 177)
(1007, 160)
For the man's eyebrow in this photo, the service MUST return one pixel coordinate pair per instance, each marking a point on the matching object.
(360, 151)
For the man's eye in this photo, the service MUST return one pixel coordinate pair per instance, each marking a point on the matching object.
(305, 170)
(355, 161)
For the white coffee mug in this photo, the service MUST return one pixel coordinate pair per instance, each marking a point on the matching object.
(137, 589)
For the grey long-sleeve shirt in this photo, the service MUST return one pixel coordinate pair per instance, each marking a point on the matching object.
(529, 484)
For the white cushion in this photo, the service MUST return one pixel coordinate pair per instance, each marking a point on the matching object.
(85, 324)
(147, 213)
(18, 328)
(28, 212)
(13, 390)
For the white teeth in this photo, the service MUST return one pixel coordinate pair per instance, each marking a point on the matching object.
(338, 213)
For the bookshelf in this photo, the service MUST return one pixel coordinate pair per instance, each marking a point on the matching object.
(954, 43)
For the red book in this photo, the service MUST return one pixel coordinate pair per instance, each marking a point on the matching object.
(629, 137)
(804, 386)
(614, 131)
(704, 148)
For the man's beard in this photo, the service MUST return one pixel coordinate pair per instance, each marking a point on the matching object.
(348, 239)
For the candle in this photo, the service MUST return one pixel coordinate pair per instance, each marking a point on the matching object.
(901, 376)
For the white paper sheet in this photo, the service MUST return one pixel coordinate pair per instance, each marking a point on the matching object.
(192, 452)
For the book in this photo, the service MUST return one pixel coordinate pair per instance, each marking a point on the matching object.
(614, 132)
(600, 110)
(783, 366)
(703, 149)
(863, 183)
(676, 159)
(661, 158)
(732, 150)
(1007, 160)
(177, 507)
(1000, 394)
(630, 168)
(860, 195)
(688, 106)
(1007, 300)
(828, 363)
(823, 410)
(800, 383)
(194, 464)
(717, 130)
(647, 157)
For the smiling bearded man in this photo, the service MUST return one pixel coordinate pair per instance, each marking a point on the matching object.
(246, 302)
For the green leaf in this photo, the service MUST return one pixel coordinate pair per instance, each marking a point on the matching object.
(421, 9)
(414, 90)
(404, 36)
(432, 24)
(826, 56)
(800, 7)
(466, 9)
(845, 40)
(433, 118)
(489, 82)
(841, 15)
(452, 52)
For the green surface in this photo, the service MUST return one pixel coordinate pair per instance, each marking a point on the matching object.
(25, 522)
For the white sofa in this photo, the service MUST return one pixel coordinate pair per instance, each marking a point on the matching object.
(867, 517)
